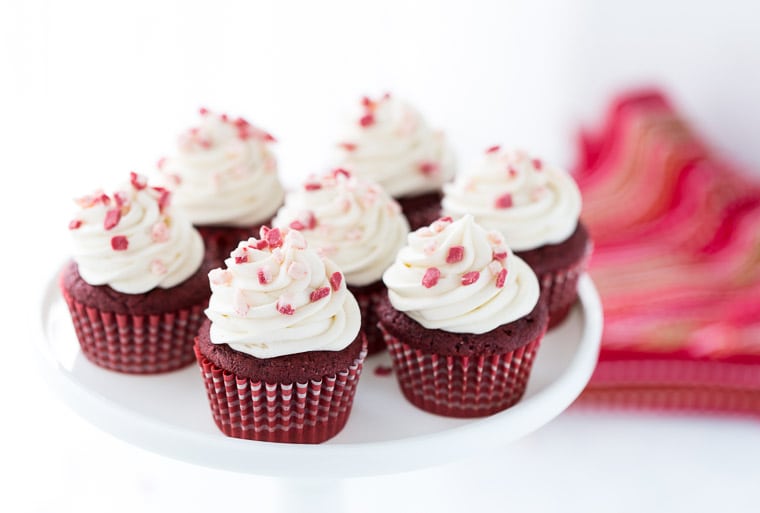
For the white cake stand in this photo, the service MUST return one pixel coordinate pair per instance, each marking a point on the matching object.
(169, 414)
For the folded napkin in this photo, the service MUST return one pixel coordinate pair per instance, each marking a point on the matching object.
(677, 263)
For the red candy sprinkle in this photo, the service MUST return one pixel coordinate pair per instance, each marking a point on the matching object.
(104, 199)
(260, 244)
(456, 253)
(274, 237)
(500, 256)
(203, 111)
(138, 181)
(493, 149)
(503, 201)
(537, 164)
(446, 219)
(318, 294)
(367, 120)
(75, 224)
(311, 222)
(243, 259)
(347, 146)
(335, 280)
(512, 171)
(470, 277)
(428, 168)
(366, 102)
(431, 277)
(501, 278)
(224, 118)
(163, 197)
(263, 232)
(120, 198)
(262, 275)
(119, 243)
(341, 172)
(286, 309)
(312, 186)
(113, 216)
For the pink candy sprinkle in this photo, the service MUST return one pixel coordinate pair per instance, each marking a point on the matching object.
(312, 186)
(264, 276)
(367, 120)
(456, 254)
(274, 237)
(432, 275)
(499, 255)
(119, 243)
(319, 293)
(113, 216)
(139, 182)
(335, 280)
(157, 267)
(348, 146)
(428, 168)
(493, 149)
(501, 278)
(240, 255)
(159, 232)
(470, 277)
(537, 164)
(75, 224)
(285, 309)
(203, 111)
(503, 201)
(163, 197)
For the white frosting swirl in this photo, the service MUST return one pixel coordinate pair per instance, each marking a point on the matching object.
(224, 173)
(133, 241)
(531, 203)
(352, 221)
(281, 299)
(388, 142)
(457, 277)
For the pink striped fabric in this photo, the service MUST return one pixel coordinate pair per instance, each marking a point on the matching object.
(677, 262)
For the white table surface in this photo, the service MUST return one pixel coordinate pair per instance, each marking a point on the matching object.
(91, 91)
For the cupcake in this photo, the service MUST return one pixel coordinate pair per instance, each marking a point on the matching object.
(224, 178)
(536, 207)
(462, 319)
(355, 224)
(282, 352)
(135, 288)
(388, 142)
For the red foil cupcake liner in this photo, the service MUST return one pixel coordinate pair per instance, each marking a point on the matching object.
(561, 289)
(367, 301)
(136, 344)
(461, 386)
(302, 413)
(221, 240)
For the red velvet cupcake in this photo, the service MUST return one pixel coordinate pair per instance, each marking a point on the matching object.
(355, 224)
(536, 207)
(224, 178)
(388, 142)
(282, 353)
(462, 320)
(136, 288)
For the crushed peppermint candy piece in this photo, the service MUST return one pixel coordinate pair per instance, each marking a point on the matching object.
(503, 201)
(428, 168)
(455, 254)
(298, 270)
(341, 172)
(257, 244)
(431, 277)
(501, 278)
(240, 303)
(493, 149)
(240, 254)
(159, 232)
(119, 243)
(163, 197)
(319, 293)
(512, 172)
(264, 276)
(312, 186)
(158, 267)
(499, 254)
(139, 182)
(537, 164)
(220, 276)
(470, 277)
(495, 267)
(113, 216)
(367, 120)
(285, 309)
(348, 146)
(74, 224)
(297, 240)
(274, 237)
(263, 232)
(335, 280)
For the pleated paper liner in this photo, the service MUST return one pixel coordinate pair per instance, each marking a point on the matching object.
(136, 344)
(461, 386)
(561, 289)
(303, 413)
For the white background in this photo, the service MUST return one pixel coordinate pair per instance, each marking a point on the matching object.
(90, 91)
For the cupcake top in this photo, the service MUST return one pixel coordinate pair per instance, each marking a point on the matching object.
(278, 297)
(533, 204)
(223, 173)
(350, 220)
(457, 277)
(133, 240)
(390, 143)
